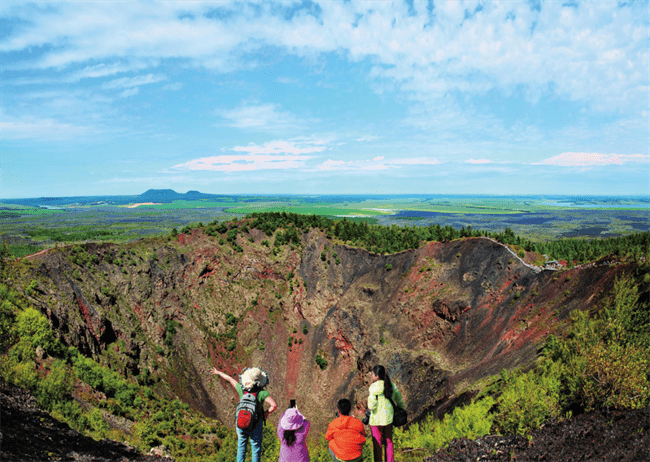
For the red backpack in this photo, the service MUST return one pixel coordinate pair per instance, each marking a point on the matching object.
(247, 414)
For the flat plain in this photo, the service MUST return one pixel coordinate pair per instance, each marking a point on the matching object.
(30, 225)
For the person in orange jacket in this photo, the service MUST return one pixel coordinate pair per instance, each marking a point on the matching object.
(346, 435)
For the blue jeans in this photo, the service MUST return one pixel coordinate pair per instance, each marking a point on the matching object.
(255, 436)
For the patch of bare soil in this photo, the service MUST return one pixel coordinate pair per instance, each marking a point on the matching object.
(596, 437)
(28, 434)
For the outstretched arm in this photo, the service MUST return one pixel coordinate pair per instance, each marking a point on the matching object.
(225, 376)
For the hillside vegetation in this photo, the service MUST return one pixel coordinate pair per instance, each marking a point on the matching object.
(117, 340)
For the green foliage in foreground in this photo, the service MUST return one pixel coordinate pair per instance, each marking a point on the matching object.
(527, 400)
(471, 422)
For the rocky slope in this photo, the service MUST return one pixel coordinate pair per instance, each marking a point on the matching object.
(28, 434)
(599, 436)
(439, 317)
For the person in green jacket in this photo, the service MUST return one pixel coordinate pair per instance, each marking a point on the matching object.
(381, 413)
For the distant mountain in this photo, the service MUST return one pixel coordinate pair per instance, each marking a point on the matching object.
(168, 195)
(158, 193)
(152, 195)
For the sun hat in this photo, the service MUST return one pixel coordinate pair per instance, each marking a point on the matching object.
(254, 376)
(292, 419)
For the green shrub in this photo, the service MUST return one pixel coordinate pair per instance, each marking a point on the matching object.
(471, 421)
(89, 372)
(22, 351)
(170, 332)
(606, 358)
(21, 374)
(126, 393)
(31, 288)
(616, 376)
(97, 422)
(146, 435)
(321, 361)
(527, 401)
(34, 327)
(8, 310)
(231, 319)
(55, 386)
(72, 413)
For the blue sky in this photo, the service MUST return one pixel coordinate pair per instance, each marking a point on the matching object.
(459, 97)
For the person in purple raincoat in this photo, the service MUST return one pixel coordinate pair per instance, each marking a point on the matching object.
(292, 431)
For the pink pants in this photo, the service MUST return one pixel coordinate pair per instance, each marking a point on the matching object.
(382, 437)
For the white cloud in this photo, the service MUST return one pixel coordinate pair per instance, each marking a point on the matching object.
(131, 82)
(287, 80)
(39, 129)
(366, 138)
(596, 53)
(130, 92)
(292, 146)
(245, 162)
(265, 117)
(107, 69)
(176, 86)
(273, 155)
(592, 159)
(478, 161)
(377, 163)
(413, 161)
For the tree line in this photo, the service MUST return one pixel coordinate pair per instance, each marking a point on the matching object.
(390, 239)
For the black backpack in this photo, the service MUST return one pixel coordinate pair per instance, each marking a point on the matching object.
(247, 414)
(400, 417)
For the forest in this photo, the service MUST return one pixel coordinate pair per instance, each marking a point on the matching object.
(391, 239)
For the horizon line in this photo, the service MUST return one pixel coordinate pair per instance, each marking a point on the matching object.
(636, 196)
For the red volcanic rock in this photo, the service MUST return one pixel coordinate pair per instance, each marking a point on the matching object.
(445, 314)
